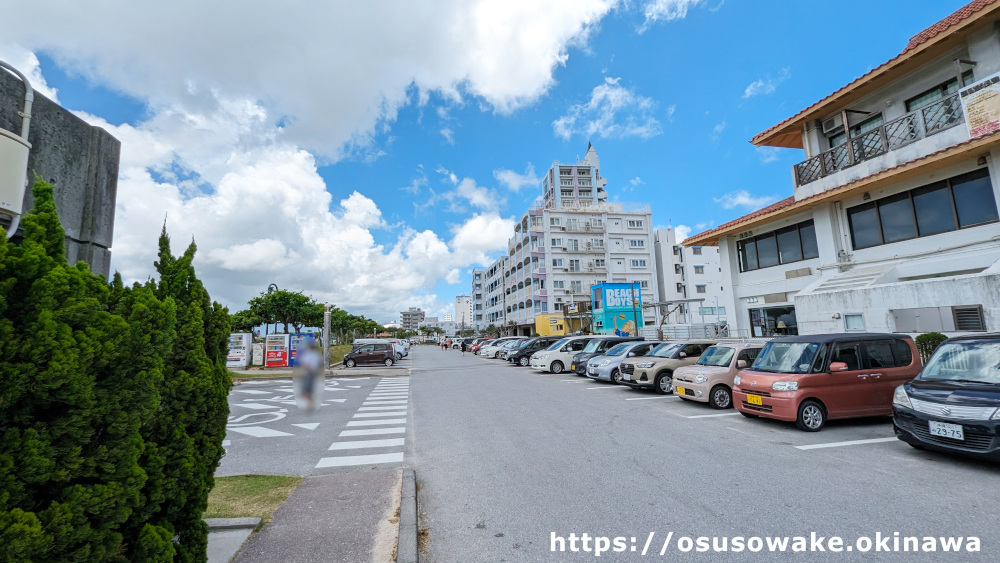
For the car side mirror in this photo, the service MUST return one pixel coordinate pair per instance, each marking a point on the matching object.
(631, 354)
(740, 364)
(683, 354)
(838, 366)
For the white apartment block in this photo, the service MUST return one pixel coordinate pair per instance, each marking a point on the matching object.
(689, 273)
(446, 325)
(893, 225)
(478, 299)
(571, 239)
(463, 311)
(411, 318)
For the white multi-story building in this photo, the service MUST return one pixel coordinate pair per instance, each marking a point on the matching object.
(893, 224)
(571, 239)
(478, 299)
(689, 273)
(411, 319)
(447, 326)
(463, 311)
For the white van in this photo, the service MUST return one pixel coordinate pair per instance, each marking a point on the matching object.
(559, 356)
(397, 348)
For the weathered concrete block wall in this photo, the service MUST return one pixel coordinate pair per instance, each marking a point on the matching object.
(80, 160)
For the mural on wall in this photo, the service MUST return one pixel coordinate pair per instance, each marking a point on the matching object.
(616, 311)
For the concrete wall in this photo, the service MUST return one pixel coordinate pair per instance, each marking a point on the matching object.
(80, 160)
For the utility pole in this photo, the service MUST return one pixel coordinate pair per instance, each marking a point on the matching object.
(326, 337)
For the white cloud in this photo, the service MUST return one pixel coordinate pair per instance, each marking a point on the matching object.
(743, 198)
(768, 155)
(613, 112)
(448, 135)
(27, 63)
(415, 185)
(682, 232)
(717, 130)
(666, 10)
(516, 182)
(333, 73)
(763, 86)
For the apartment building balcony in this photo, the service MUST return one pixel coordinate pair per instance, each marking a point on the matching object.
(869, 147)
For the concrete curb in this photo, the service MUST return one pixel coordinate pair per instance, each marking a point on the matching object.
(216, 524)
(407, 548)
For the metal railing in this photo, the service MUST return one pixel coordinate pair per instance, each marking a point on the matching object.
(918, 124)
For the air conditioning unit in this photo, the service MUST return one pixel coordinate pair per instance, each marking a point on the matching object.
(833, 124)
(590, 264)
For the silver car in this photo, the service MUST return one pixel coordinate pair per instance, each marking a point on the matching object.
(606, 367)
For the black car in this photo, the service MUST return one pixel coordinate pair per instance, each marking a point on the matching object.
(953, 405)
(522, 356)
(596, 348)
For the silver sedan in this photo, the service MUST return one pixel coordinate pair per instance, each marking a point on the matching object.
(605, 368)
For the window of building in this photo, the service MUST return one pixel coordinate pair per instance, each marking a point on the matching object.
(711, 310)
(680, 287)
(634, 223)
(678, 269)
(573, 245)
(638, 263)
(963, 201)
(599, 262)
(700, 289)
(699, 269)
(557, 262)
(576, 287)
(856, 130)
(786, 245)
(574, 265)
(942, 90)
(677, 250)
(554, 221)
(696, 250)
(597, 222)
(854, 322)
(644, 284)
(557, 242)
(637, 243)
(566, 193)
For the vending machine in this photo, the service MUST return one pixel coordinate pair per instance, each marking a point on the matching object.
(276, 351)
(239, 350)
(296, 342)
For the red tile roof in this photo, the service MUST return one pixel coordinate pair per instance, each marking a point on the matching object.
(960, 15)
(759, 213)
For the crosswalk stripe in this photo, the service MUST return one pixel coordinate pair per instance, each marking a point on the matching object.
(359, 460)
(372, 432)
(379, 408)
(259, 432)
(367, 403)
(377, 422)
(363, 444)
(379, 414)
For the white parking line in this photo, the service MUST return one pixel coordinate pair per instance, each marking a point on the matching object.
(359, 460)
(386, 422)
(572, 381)
(714, 415)
(651, 398)
(362, 444)
(605, 387)
(848, 443)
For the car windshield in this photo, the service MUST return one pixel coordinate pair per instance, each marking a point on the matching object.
(718, 356)
(618, 350)
(511, 343)
(967, 362)
(592, 346)
(526, 342)
(666, 350)
(558, 344)
(786, 357)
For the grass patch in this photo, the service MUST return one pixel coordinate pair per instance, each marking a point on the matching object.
(337, 353)
(241, 496)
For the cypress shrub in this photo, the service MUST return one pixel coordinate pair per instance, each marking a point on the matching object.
(927, 343)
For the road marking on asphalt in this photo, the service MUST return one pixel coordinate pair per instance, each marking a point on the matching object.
(359, 460)
(377, 387)
(603, 387)
(372, 431)
(714, 415)
(386, 422)
(368, 403)
(572, 380)
(354, 387)
(253, 392)
(379, 408)
(335, 400)
(255, 406)
(651, 398)
(848, 443)
(390, 392)
(379, 414)
(257, 382)
(226, 443)
(259, 432)
(387, 397)
(363, 444)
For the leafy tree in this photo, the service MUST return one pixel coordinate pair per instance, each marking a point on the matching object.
(928, 342)
(77, 381)
(245, 321)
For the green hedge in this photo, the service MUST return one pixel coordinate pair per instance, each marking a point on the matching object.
(928, 342)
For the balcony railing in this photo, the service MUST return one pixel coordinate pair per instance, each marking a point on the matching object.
(918, 124)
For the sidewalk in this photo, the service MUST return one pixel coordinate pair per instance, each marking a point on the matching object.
(351, 516)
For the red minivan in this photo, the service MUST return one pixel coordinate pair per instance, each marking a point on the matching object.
(811, 379)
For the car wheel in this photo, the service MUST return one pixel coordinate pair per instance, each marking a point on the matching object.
(720, 397)
(616, 376)
(398, 356)
(811, 417)
(664, 383)
(496, 356)
(556, 367)
(389, 362)
(350, 363)
(524, 361)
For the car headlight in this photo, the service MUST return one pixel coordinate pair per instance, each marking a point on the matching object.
(785, 385)
(645, 365)
(542, 356)
(736, 380)
(604, 363)
(900, 398)
(700, 379)
(996, 415)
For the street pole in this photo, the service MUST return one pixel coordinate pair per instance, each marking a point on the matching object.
(326, 337)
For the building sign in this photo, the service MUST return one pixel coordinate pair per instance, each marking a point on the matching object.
(981, 105)
(617, 309)
(572, 308)
(239, 350)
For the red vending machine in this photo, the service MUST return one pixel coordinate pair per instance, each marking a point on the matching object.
(276, 351)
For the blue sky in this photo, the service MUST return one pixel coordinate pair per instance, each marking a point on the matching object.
(412, 122)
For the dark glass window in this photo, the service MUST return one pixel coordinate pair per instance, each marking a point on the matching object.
(880, 354)
(789, 249)
(932, 205)
(896, 215)
(903, 354)
(974, 199)
(863, 221)
(767, 251)
(807, 232)
(749, 255)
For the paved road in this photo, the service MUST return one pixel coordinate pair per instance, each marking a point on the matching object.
(505, 457)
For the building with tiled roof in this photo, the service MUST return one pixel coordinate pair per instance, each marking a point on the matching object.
(893, 224)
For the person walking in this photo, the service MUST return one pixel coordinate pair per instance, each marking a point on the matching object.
(309, 373)
(463, 347)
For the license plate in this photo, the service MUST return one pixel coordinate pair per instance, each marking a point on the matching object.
(945, 430)
(679, 390)
(755, 400)
(592, 371)
(626, 377)
(572, 367)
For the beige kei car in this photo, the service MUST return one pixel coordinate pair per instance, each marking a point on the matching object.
(656, 369)
(710, 379)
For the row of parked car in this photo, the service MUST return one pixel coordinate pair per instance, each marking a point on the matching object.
(383, 351)
(951, 404)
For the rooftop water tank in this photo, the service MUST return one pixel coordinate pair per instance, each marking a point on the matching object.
(14, 149)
